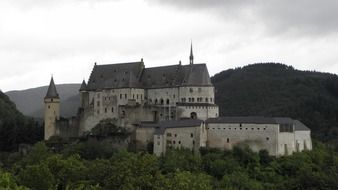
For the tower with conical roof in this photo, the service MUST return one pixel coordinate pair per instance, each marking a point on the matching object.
(191, 57)
(84, 95)
(52, 110)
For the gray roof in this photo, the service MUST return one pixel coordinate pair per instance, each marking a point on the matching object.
(119, 75)
(51, 92)
(247, 119)
(299, 126)
(83, 86)
(176, 75)
(161, 126)
(134, 75)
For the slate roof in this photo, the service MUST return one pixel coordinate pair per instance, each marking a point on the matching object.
(134, 75)
(299, 126)
(248, 119)
(83, 86)
(161, 126)
(119, 75)
(52, 92)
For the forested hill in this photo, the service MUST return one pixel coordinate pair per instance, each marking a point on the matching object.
(14, 127)
(273, 89)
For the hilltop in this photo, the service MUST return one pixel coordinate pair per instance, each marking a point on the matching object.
(30, 101)
(273, 89)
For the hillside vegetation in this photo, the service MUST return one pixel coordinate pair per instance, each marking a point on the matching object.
(273, 89)
(16, 128)
(239, 169)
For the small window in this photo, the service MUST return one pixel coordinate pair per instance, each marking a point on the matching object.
(179, 142)
(48, 107)
(168, 101)
(267, 138)
(125, 96)
(174, 142)
(51, 100)
(228, 140)
(120, 96)
(98, 103)
(191, 135)
(191, 90)
(105, 110)
(112, 109)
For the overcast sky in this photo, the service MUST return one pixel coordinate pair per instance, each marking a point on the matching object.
(39, 38)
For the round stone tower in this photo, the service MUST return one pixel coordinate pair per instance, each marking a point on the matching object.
(52, 110)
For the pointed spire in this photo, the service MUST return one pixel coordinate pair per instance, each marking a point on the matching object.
(83, 86)
(191, 57)
(52, 93)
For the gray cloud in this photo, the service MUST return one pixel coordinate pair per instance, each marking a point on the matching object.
(302, 17)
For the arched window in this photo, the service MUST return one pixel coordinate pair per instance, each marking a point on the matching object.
(193, 115)
(156, 101)
(162, 102)
(112, 109)
(168, 101)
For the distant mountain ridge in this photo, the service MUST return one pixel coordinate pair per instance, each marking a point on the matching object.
(30, 101)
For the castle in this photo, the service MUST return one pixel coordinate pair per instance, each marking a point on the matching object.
(168, 106)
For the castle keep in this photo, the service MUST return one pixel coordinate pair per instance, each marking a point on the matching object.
(168, 106)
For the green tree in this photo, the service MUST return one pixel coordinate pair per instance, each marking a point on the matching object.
(37, 177)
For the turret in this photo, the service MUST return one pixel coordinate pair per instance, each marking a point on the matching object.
(84, 95)
(52, 110)
(191, 57)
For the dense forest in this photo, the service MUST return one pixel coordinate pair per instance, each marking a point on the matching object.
(241, 169)
(273, 89)
(16, 129)
(260, 89)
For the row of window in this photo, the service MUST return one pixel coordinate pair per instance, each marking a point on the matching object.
(200, 107)
(160, 101)
(230, 128)
(135, 96)
(170, 135)
(200, 99)
(228, 140)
